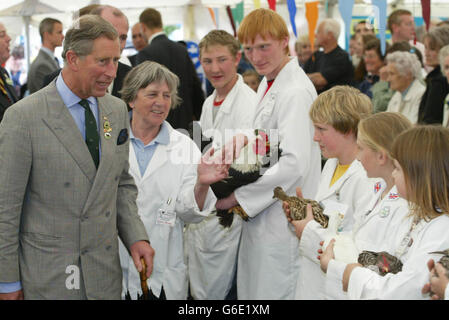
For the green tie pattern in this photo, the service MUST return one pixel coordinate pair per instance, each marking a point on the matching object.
(92, 137)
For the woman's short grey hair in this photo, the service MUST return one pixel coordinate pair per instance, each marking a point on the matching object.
(438, 37)
(84, 31)
(145, 74)
(331, 25)
(444, 52)
(406, 63)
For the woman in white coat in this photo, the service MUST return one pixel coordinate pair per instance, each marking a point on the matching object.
(172, 179)
(268, 260)
(343, 186)
(211, 249)
(420, 154)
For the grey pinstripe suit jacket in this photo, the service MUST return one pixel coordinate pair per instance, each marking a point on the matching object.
(56, 209)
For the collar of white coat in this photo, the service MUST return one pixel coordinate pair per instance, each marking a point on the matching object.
(279, 81)
(160, 154)
(226, 106)
(355, 167)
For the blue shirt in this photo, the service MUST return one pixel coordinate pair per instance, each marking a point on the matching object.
(71, 101)
(144, 153)
(77, 111)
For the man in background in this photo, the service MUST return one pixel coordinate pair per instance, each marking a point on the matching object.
(176, 58)
(45, 63)
(332, 66)
(140, 41)
(120, 22)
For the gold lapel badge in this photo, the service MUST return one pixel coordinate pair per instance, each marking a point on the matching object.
(107, 128)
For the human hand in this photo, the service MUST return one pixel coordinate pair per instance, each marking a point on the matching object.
(233, 147)
(142, 249)
(227, 203)
(438, 281)
(16, 295)
(210, 169)
(300, 225)
(286, 206)
(327, 255)
(430, 265)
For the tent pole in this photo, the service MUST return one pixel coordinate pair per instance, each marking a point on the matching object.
(27, 20)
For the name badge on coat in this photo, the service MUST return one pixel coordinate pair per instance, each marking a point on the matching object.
(166, 216)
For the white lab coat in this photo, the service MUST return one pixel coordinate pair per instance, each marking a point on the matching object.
(407, 284)
(168, 184)
(210, 249)
(411, 101)
(268, 260)
(353, 189)
(380, 228)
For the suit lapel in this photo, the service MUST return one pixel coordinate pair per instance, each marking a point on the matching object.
(61, 123)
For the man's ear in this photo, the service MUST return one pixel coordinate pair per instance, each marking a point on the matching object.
(144, 29)
(238, 56)
(72, 60)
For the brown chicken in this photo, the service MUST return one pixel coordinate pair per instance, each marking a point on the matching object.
(380, 262)
(298, 207)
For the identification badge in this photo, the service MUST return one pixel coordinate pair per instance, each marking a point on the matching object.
(166, 217)
(336, 212)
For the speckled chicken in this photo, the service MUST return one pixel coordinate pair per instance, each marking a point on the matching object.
(380, 262)
(298, 207)
(444, 259)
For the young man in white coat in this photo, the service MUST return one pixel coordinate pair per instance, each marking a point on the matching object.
(211, 249)
(268, 260)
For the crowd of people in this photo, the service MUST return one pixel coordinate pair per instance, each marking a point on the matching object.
(110, 164)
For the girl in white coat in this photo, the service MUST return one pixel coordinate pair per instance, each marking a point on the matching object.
(383, 221)
(210, 249)
(421, 161)
(268, 260)
(343, 184)
(172, 180)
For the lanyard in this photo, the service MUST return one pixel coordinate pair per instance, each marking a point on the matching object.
(407, 241)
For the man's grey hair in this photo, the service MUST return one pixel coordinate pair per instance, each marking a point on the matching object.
(444, 52)
(406, 63)
(145, 74)
(331, 25)
(84, 31)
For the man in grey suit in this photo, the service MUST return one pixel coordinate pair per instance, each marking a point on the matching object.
(45, 63)
(66, 193)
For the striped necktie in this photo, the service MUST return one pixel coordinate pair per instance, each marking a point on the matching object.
(92, 137)
(3, 89)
